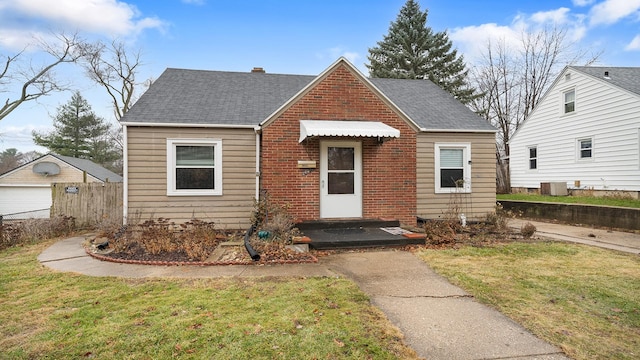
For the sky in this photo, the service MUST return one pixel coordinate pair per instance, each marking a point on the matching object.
(281, 36)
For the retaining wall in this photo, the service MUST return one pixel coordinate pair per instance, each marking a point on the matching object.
(607, 216)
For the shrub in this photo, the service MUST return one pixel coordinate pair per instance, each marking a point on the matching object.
(275, 219)
(528, 230)
(194, 240)
(441, 232)
(33, 230)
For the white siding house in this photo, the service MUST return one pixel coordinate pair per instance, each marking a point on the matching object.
(585, 132)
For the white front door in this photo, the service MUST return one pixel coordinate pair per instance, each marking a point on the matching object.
(340, 179)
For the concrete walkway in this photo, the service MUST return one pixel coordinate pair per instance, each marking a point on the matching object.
(614, 240)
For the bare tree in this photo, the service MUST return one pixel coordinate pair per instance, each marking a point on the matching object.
(38, 81)
(114, 68)
(513, 81)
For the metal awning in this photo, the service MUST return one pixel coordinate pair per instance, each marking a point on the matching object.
(310, 128)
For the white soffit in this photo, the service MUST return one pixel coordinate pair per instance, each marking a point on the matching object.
(310, 128)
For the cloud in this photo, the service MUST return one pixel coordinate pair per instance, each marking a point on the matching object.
(611, 11)
(582, 2)
(634, 45)
(558, 16)
(338, 51)
(20, 137)
(103, 17)
(472, 41)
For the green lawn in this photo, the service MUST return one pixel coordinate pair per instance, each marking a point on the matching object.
(46, 314)
(589, 200)
(586, 300)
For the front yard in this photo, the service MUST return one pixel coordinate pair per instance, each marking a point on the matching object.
(585, 300)
(53, 315)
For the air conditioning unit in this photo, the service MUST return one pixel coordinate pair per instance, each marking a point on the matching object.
(558, 189)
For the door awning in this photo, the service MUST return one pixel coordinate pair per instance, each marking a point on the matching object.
(310, 128)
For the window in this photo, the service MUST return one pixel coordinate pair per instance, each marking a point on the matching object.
(569, 101)
(453, 168)
(533, 157)
(585, 148)
(194, 167)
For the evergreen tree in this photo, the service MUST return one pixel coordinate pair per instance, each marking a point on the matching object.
(412, 50)
(80, 133)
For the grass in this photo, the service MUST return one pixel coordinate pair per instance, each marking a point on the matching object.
(585, 300)
(589, 200)
(47, 314)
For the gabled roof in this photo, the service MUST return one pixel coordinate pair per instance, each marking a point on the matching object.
(627, 78)
(88, 166)
(200, 97)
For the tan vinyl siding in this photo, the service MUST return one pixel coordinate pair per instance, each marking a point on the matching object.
(482, 198)
(147, 177)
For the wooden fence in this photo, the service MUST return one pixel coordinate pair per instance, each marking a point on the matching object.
(91, 204)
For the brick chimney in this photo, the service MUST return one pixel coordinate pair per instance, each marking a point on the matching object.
(258, 70)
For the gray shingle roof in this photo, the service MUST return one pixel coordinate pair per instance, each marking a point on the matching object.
(233, 98)
(429, 106)
(627, 78)
(90, 167)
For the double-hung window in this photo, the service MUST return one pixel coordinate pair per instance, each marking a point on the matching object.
(585, 148)
(194, 167)
(569, 101)
(453, 169)
(533, 157)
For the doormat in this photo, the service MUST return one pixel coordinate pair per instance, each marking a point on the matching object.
(396, 230)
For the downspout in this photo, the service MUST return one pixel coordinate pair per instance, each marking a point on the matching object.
(254, 254)
(257, 196)
(125, 176)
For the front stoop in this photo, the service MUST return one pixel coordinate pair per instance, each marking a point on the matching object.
(336, 234)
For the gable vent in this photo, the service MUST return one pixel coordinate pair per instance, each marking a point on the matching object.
(567, 77)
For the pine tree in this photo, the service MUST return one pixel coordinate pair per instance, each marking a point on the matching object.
(412, 50)
(80, 133)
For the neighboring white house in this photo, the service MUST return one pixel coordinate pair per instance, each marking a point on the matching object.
(584, 132)
(25, 192)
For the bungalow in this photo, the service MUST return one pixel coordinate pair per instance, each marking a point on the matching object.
(207, 144)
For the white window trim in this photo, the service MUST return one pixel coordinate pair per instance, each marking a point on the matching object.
(466, 162)
(171, 166)
(529, 157)
(579, 149)
(563, 103)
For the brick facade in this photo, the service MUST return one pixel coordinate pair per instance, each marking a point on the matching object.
(389, 169)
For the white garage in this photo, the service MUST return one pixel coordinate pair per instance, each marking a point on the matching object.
(24, 202)
(25, 192)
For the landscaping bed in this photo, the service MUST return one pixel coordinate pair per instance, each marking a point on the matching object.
(193, 243)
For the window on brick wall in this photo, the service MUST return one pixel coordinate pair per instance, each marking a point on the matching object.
(452, 167)
(194, 167)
